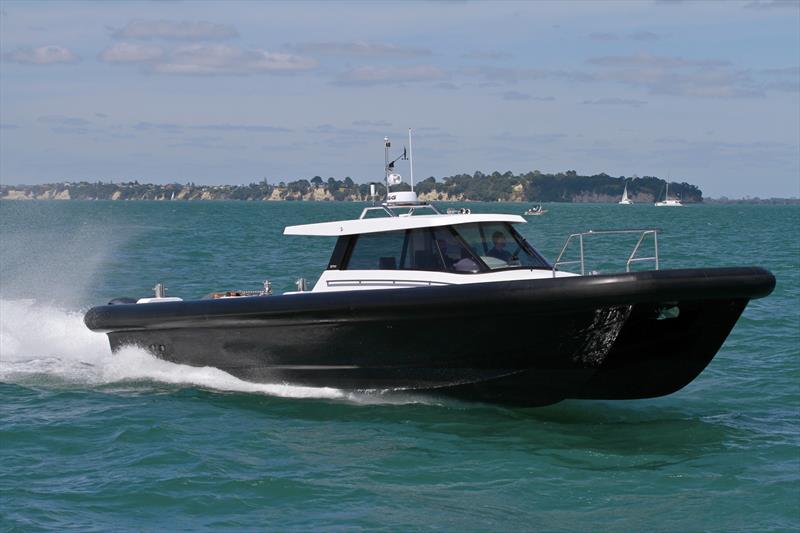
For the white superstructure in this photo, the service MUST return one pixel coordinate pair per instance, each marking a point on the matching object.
(404, 250)
(411, 244)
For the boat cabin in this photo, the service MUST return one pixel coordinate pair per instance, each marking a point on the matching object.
(401, 250)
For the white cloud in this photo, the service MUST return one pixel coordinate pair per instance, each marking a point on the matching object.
(373, 123)
(447, 86)
(171, 127)
(66, 125)
(173, 30)
(603, 36)
(788, 71)
(132, 53)
(644, 36)
(253, 128)
(615, 101)
(166, 127)
(374, 75)
(360, 131)
(648, 60)
(782, 79)
(708, 83)
(657, 74)
(358, 49)
(502, 75)
(515, 95)
(533, 138)
(43, 55)
(62, 120)
(708, 78)
(636, 36)
(772, 4)
(489, 55)
(227, 60)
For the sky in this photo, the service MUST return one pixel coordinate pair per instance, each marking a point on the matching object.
(236, 92)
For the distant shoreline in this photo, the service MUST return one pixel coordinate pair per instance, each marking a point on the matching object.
(751, 201)
(532, 187)
(706, 201)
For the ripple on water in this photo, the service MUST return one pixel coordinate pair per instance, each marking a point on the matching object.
(92, 441)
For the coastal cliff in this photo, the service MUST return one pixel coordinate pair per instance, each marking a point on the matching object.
(531, 187)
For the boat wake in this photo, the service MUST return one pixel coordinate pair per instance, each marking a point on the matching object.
(44, 345)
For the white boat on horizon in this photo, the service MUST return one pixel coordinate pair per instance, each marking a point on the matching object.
(668, 202)
(535, 211)
(625, 200)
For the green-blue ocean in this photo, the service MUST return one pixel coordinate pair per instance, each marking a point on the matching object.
(91, 441)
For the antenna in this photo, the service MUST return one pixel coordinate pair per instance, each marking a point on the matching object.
(411, 160)
(400, 198)
(392, 178)
(386, 146)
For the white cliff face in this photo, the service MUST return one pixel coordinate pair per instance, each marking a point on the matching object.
(14, 194)
(436, 196)
(319, 194)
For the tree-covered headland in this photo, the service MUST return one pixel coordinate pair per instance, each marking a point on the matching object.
(533, 186)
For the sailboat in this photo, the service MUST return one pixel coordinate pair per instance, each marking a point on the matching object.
(669, 202)
(625, 200)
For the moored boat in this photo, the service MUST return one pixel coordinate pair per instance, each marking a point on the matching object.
(667, 201)
(536, 210)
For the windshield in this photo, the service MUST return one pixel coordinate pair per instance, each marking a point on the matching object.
(463, 249)
(499, 246)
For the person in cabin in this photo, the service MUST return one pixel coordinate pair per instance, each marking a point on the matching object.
(498, 250)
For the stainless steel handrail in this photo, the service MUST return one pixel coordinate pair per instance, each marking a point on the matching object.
(631, 259)
(389, 209)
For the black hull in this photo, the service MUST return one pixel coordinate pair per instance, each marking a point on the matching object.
(530, 342)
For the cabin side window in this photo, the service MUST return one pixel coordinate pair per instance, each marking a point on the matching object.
(430, 249)
(377, 251)
(420, 252)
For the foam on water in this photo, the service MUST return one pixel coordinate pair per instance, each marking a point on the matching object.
(39, 341)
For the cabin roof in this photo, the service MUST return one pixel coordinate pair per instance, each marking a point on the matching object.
(377, 225)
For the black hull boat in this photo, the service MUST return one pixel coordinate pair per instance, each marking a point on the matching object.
(522, 342)
(458, 304)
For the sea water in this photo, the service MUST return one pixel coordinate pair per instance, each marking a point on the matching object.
(91, 441)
